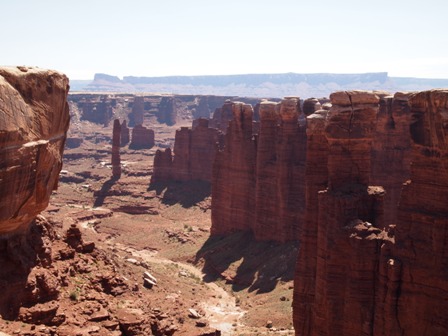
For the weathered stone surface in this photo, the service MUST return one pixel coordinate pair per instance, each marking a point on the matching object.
(340, 300)
(194, 153)
(222, 116)
(136, 117)
(391, 151)
(34, 120)
(291, 157)
(233, 178)
(278, 178)
(116, 162)
(311, 105)
(266, 197)
(166, 112)
(316, 180)
(421, 234)
(371, 278)
(163, 165)
(142, 137)
(125, 134)
(349, 132)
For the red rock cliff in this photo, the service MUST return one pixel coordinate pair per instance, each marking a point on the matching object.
(391, 150)
(116, 161)
(340, 301)
(194, 153)
(420, 300)
(371, 278)
(142, 137)
(233, 177)
(34, 121)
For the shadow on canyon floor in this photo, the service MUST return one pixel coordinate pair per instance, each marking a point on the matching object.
(187, 194)
(101, 195)
(246, 263)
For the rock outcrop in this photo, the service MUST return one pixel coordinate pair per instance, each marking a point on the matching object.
(280, 196)
(222, 116)
(136, 117)
(391, 151)
(194, 153)
(125, 134)
(350, 213)
(233, 177)
(116, 162)
(265, 171)
(166, 112)
(356, 273)
(417, 270)
(142, 138)
(34, 121)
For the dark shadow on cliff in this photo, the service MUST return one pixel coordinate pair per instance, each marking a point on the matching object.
(19, 253)
(101, 195)
(185, 193)
(246, 263)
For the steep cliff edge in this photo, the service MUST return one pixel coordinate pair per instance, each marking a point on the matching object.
(421, 300)
(357, 274)
(34, 120)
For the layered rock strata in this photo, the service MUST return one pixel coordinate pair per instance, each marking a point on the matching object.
(419, 300)
(136, 117)
(280, 171)
(125, 134)
(365, 276)
(391, 150)
(233, 177)
(142, 138)
(334, 285)
(194, 153)
(267, 170)
(34, 120)
(116, 162)
(166, 112)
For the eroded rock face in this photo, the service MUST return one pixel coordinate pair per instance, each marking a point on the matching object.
(421, 232)
(391, 151)
(369, 277)
(116, 162)
(136, 117)
(142, 137)
(194, 153)
(167, 110)
(34, 121)
(233, 178)
(341, 299)
(265, 171)
(125, 134)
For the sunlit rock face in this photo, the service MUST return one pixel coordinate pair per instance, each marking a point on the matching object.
(34, 120)
(358, 274)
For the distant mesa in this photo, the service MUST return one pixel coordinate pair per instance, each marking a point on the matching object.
(259, 85)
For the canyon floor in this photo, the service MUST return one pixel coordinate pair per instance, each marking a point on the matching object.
(231, 284)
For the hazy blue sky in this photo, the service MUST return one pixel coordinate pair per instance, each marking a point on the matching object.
(204, 37)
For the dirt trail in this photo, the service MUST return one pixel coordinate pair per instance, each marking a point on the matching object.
(221, 310)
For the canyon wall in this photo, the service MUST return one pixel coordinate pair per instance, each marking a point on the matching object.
(233, 176)
(263, 171)
(142, 138)
(391, 150)
(194, 153)
(358, 274)
(34, 121)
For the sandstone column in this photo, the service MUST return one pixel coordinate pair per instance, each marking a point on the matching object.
(116, 162)
(233, 179)
(266, 211)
